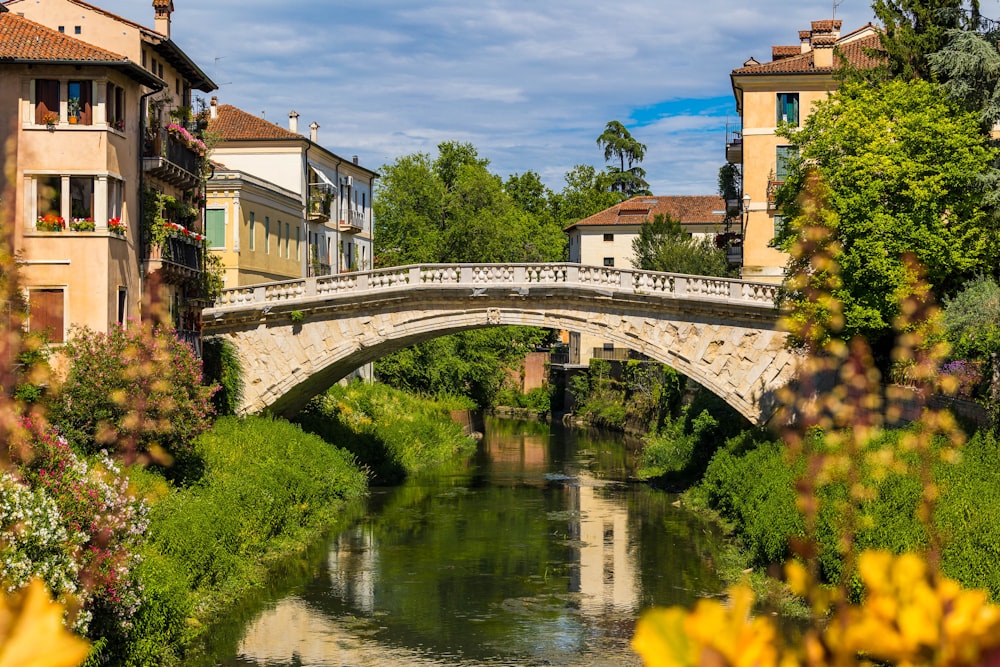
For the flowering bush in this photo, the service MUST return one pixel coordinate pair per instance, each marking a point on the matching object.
(82, 225)
(35, 541)
(50, 223)
(51, 118)
(138, 389)
(180, 132)
(967, 374)
(117, 226)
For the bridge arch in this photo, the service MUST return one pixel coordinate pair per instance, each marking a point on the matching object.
(721, 333)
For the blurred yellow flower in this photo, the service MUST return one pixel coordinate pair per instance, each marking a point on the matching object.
(32, 633)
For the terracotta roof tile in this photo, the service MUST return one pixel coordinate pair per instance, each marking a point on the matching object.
(779, 52)
(22, 39)
(234, 124)
(689, 209)
(855, 52)
(828, 25)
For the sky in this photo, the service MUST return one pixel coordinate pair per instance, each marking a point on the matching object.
(530, 83)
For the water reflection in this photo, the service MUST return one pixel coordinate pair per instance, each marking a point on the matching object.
(535, 554)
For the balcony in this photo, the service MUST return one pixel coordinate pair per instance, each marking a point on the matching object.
(320, 204)
(772, 194)
(179, 259)
(169, 159)
(315, 268)
(353, 223)
(734, 149)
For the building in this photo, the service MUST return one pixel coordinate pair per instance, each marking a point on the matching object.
(605, 239)
(331, 229)
(103, 138)
(782, 90)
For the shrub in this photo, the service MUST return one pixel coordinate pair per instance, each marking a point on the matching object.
(138, 390)
(392, 433)
(221, 366)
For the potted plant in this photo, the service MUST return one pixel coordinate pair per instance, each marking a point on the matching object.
(82, 224)
(73, 107)
(117, 226)
(51, 119)
(50, 223)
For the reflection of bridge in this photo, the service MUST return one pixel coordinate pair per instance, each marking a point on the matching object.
(296, 338)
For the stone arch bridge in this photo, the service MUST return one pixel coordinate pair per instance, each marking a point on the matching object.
(296, 338)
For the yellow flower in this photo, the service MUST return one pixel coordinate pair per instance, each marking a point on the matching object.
(32, 633)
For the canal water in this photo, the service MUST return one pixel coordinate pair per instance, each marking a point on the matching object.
(537, 551)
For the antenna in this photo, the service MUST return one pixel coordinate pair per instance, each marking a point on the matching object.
(215, 74)
(836, 3)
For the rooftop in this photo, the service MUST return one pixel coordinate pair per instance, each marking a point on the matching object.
(688, 209)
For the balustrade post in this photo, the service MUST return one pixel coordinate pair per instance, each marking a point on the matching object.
(414, 278)
(625, 281)
(310, 287)
(736, 290)
(572, 274)
(520, 273)
(465, 275)
(364, 281)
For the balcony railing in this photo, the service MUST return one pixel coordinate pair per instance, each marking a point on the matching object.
(772, 194)
(734, 149)
(314, 269)
(353, 222)
(170, 159)
(179, 258)
(320, 204)
(616, 354)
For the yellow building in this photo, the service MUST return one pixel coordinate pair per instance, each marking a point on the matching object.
(783, 90)
(92, 134)
(255, 227)
(333, 220)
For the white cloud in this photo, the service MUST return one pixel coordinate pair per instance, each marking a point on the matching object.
(530, 83)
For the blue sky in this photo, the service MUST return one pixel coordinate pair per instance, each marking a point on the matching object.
(531, 83)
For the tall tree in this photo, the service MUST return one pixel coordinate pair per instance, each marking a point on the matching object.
(904, 168)
(618, 144)
(914, 29)
(663, 245)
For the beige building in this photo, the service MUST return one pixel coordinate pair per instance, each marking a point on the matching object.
(81, 117)
(605, 239)
(782, 90)
(332, 225)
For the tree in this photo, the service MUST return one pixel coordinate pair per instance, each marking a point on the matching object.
(618, 144)
(583, 196)
(662, 245)
(904, 168)
(914, 29)
(969, 67)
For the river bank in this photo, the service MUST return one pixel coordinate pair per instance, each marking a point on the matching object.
(267, 491)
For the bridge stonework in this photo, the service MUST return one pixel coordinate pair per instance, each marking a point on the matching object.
(721, 333)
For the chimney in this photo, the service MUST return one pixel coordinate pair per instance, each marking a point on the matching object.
(804, 40)
(314, 132)
(293, 121)
(823, 51)
(213, 108)
(163, 9)
(354, 159)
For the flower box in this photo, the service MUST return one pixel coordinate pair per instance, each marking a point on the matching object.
(82, 225)
(117, 226)
(50, 223)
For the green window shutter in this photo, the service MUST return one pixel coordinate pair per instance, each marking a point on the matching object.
(215, 226)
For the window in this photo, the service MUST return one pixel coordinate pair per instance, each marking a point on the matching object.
(78, 102)
(215, 227)
(609, 261)
(144, 66)
(609, 237)
(116, 197)
(77, 30)
(779, 225)
(784, 156)
(253, 232)
(788, 108)
(81, 197)
(122, 306)
(298, 243)
(288, 241)
(49, 196)
(46, 100)
(115, 105)
(46, 313)
(267, 234)
(62, 28)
